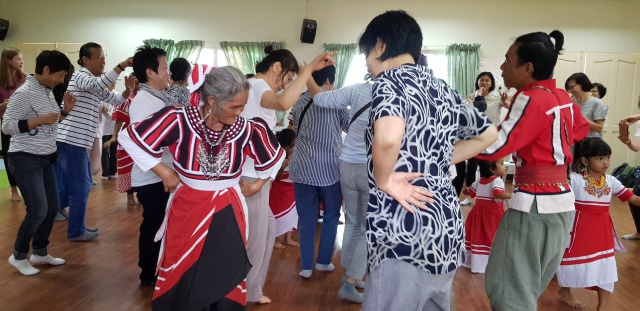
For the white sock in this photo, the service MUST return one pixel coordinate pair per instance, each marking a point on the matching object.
(305, 273)
(329, 267)
(38, 260)
(23, 266)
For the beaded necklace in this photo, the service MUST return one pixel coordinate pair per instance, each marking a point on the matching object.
(212, 156)
(596, 188)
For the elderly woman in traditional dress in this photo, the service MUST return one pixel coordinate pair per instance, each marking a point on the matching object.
(203, 262)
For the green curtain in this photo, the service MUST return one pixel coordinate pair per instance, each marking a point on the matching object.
(167, 45)
(346, 52)
(464, 65)
(186, 48)
(245, 55)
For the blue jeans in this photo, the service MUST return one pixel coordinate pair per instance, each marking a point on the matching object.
(73, 172)
(37, 181)
(307, 206)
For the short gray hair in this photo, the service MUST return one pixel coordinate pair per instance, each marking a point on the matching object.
(223, 84)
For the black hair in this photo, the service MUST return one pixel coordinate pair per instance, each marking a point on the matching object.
(180, 69)
(249, 75)
(423, 60)
(536, 48)
(59, 90)
(397, 30)
(286, 137)
(580, 79)
(488, 74)
(85, 50)
(321, 76)
(486, 167)
(282, 56)
(602, 90)
(145, 58)
(55, 60)
(588, 148)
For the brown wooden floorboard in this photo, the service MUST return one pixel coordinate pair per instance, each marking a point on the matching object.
(103, 274)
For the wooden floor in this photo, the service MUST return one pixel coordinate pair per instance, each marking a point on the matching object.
(103, 274)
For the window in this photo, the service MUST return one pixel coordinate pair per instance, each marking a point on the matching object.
(212, 56)
(437, 62)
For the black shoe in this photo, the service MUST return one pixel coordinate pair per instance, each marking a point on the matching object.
(148, 282)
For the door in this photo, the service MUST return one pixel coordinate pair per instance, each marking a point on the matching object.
(29, 53)
(620, 73)
(569, 62)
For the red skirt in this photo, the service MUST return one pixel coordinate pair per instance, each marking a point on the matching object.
(480, 229)
(125, 165)
(204, 261)
(282, 202)
(589, 259)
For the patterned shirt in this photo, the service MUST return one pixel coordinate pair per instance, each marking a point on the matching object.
(180, 93)
(180, 130)
(80, 126)
(315, 160)
(29, 101)
(435, 117)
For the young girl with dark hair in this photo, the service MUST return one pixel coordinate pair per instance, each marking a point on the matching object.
(282, 199)
(483, 220)
(589, 259)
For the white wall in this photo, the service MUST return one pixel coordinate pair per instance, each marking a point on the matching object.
(589, 25)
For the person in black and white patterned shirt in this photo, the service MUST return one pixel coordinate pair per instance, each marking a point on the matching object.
(414, 232)
(32, 120)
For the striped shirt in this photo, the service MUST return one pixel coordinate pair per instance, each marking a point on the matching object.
(354, 96)
(315, 160)
(80, 126)
(29, 101)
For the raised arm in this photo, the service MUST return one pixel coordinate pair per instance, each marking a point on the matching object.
(290, 95)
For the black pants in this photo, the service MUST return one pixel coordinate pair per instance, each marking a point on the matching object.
(154, 201)
(109, 160)
(5, 156)
(635, 210)
(466, 172)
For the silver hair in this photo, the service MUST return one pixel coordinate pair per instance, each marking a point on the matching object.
(223, 84)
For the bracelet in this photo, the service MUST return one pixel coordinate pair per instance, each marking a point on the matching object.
(120, 66)
(63, 113)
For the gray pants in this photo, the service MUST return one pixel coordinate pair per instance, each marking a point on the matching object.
(398, 285)
(355, 191)
(262, 235)
(525, 254)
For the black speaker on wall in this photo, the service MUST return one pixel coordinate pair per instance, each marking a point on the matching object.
(308, 33)
(4, 28)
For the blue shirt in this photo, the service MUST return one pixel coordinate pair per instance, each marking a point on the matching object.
(355, 96)
(315, 159)
(435, 118)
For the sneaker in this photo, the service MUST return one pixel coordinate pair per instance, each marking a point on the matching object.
(113, 177)
(23, 266)
(85, 236)
(633, 236)
(40, 260)
(359, 283)
(104, 178)
(348, 292)
(62, 214)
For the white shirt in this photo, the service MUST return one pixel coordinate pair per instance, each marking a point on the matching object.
(142, 106)
(252, 110)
